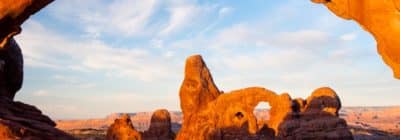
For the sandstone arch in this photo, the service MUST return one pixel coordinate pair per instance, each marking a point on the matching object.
(207, 110)
(379, 17)
(219, 116)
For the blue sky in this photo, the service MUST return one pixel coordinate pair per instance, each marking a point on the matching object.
(86, 59)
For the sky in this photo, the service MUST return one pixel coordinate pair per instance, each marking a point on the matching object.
(87, 59)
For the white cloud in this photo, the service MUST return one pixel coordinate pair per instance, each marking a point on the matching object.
(223, 11)
(157, 43)
(181, 13)
(234, 35)
(129, 18)
(348, 37)
(244, 35)
(303, 38)
(41, 93)
(67, 79)
(169, 54)
(52, 50)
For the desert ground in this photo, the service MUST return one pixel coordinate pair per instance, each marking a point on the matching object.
(366, 123)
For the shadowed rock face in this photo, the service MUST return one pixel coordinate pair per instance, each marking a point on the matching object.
(379, 17)
(122, 129)
(160, 127)
(317, 118)
(22, 121)
(11, 70)
(19, 120)
(230, 116)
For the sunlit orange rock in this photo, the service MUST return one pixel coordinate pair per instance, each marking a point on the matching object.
(122, 129)
(160, 127)
(379, 17)
(230, 115)
(13, 13)
(198, 87)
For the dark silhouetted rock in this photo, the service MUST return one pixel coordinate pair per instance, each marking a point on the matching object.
(22, 121)
(11, 70)
(160, 127)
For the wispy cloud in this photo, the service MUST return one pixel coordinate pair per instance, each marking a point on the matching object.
(349, 36)
(52, 50)
(180, 14)
(123, 17)
(41, 93)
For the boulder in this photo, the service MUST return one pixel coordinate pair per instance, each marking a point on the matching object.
(11, 70)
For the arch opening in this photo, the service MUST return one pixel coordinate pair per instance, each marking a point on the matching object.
(261, 111)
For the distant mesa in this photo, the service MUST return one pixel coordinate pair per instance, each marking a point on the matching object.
(210, 114)
(379, 17)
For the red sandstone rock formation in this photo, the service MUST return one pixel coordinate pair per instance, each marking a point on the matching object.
(160, 127)
(317, 119)
(19, 120)
(198, 87)
(230, 116)
(13, 13)
(122, 129)
(379, 17)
